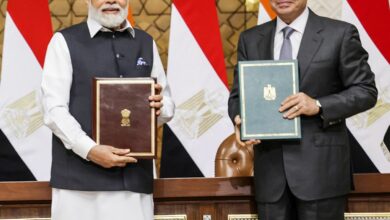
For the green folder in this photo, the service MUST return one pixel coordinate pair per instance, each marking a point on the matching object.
(263, 86)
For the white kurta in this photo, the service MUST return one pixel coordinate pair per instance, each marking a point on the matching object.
(56, 84)
(118, 205)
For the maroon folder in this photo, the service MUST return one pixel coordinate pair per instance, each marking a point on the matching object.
(122, 116)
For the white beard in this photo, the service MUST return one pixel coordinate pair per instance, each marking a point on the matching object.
(108, 20)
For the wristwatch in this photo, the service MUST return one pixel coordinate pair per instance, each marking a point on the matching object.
(319, 106)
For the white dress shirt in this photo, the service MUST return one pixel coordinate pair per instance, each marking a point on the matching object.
(56, 84)
(299, 25)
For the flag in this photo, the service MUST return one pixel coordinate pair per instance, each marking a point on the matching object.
(265, 12)
(130, 16)
(12, 167)
(197, 77)
(28, 31)
(369, 128)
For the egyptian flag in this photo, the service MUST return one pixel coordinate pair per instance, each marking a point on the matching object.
(197, 77)
(370, 128)
(265, 12)
(25, 148)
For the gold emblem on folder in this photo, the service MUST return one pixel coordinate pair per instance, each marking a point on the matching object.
(269, 93)
(125, 118)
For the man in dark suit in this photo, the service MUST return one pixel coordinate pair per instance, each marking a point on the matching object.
(308, 179)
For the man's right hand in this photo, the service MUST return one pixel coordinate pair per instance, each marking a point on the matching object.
(108, 156)
(237, 121)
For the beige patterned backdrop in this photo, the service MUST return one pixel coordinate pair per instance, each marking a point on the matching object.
(153, 16)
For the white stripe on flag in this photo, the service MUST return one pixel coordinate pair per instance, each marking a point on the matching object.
(201, 122)
(263, 15)
(369, 127)
(20, 108)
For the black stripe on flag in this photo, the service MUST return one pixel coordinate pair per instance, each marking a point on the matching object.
(386, 139)
(361, 163)
(175, 161)
(12, 167)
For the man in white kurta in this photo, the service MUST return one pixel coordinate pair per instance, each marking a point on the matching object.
(104, 16)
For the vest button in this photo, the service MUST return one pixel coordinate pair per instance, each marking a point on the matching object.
(118, 55)
(113, 36)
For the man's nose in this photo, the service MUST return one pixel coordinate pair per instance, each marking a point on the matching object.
(111, 2)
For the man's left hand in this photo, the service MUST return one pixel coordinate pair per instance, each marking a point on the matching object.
(299, 104)
(156, 100)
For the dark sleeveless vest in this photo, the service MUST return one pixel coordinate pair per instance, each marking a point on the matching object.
(107, 54)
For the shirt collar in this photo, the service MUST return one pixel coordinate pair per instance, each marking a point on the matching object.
(94, 27)
(298, 24)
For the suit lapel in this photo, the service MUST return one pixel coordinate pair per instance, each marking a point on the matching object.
(311, 42)
(266, 41)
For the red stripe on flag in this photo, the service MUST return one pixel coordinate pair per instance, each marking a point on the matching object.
(375, 18)
(32, 18)
(202, 19)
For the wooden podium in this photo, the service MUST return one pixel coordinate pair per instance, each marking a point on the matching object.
(194, 198)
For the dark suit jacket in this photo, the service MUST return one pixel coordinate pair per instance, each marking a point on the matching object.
(333, 69)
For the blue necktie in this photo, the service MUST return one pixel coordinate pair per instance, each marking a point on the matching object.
(286, 50)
